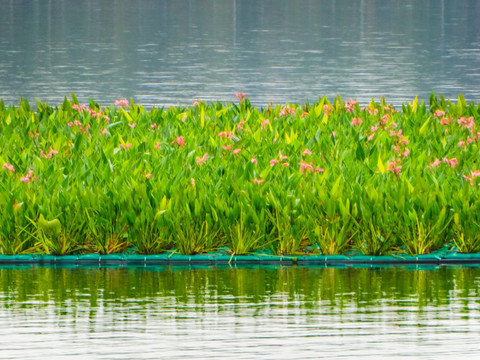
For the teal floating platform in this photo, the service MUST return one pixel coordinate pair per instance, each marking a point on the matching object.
(260, 259)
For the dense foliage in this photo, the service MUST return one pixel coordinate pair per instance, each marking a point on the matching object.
(327, 178)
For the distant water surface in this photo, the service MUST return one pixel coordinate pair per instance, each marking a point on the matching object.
(168, 52)
(240, 313)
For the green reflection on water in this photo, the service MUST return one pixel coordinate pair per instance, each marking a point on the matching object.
(307, 287)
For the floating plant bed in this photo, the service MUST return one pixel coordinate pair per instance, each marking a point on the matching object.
(322, 180)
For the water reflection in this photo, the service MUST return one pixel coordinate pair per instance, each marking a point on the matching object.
(243, 312)
(169, 52)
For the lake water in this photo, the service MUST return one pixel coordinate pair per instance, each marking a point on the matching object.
(242, 313)
(168, 52)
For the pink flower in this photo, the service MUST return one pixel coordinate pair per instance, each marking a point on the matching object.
(304, 114)
(202, 160)
(282, 157)
(25, 179)
(394, 167)
(184, 117)
(9, 167)
(396, 148)
(461, 143)
(132, 125)
(334, 133)
(305, 166)
(236, 151)
(104, 131)
(306, 152)
(373, 112)
(392, 133)
(126, 146)
(70, 124)
(195, 103)
(123, 102)
(318, 170)
(394, 124)
(406, 152)
(179, 140)
(148, 176)
(264, 123)
(356, 121)
(436, 163)
(373, 128)
(349, 105)
(240, 96)
(452, 162)
(439, 113)
(285, 164)
(370, 138)
(444, 121)
(327, 109)
(253, 160)
(287, 110)
(240, 125)
(229, 134)
(258, 181)
(153, 126)
(157, 145)
(273, 162)
(192, 181)
(226, 148)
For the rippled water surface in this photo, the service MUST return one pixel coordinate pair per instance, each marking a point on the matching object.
(175, 51)
(244, 313)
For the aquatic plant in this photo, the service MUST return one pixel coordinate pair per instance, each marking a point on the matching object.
(326, 177)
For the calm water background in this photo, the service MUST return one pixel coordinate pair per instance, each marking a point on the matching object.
(242, 313)
(176, 51)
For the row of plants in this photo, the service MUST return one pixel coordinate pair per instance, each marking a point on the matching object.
(328, 177)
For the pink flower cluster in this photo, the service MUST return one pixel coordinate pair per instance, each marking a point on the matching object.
(240, 96)
(79, 125)
(9, 167)
(30, 175)
(92, 112)
(327, 108)
(356, 121)
(50, 153)
(287, 110)
(126, 146)
(473, 175)
(180, 141)
(79, 108)
(349, 105)
(226, 134)
(265, 123)
(279, 160)
(304, 167)
(394, 166)
(123, 102)
(201, 160)
(452, 162)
